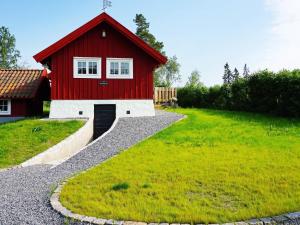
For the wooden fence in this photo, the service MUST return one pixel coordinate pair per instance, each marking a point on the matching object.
(164, 94)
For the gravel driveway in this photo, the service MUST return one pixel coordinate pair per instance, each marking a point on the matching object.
(25, 192)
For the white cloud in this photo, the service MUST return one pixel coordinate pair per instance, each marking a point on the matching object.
(284, 38)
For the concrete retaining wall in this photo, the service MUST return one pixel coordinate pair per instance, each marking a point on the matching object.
(66, 148)
(85, 108)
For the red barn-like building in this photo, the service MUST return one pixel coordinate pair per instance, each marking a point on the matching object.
(101, 66)
(22, 92)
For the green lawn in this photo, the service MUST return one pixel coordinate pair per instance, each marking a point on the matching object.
(212, 167)
(24, 139)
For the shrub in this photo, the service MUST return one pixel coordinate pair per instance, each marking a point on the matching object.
(192, 96)
(240, 95)
(263, 92)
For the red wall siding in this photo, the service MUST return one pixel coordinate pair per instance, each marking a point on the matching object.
(25, 108)
(18, 108)
(91, 44)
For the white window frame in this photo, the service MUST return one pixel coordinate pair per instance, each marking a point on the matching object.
(119, 76)
(8, 112)
(87, 60)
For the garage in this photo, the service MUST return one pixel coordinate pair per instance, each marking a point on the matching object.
(104, 117)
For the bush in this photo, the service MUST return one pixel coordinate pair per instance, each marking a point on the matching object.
(240, 100)
(192, 97)
(263, 92)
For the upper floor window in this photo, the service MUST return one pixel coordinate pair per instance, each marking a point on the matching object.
(5, 107)
(117, 68)
(87, 67)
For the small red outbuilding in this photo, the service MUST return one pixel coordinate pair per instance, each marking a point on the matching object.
(22, 92)
(100, 67)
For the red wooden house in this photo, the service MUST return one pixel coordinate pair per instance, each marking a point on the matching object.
(101, 67)
(22, 92)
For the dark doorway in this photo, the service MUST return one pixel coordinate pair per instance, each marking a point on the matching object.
(104, 117)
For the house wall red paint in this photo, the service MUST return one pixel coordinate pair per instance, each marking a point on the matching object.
(92, 44)
(25, 108)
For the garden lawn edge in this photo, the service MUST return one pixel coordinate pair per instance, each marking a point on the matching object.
(288, 218)
(57, 206)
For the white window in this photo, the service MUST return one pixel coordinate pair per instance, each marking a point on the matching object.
(119, 68)
(87, 67)
(5, 107)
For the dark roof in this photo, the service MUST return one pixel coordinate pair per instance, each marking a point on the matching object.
(104, 17)
(20, 83)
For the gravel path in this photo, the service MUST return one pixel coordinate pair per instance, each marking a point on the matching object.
(25, 192)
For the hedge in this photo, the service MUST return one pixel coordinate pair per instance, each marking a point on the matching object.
(263, 92)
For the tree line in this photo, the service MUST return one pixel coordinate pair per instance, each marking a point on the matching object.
(262, 92)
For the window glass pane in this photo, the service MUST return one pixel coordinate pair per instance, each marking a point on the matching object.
(3, 105)
(114, 68)
(92, 67)
(81, 67)
(125, 68)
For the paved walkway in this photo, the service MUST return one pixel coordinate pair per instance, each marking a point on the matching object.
(25, 192)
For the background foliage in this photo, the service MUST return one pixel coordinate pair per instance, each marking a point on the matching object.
(262, 92)
(168, 74)
(8, 54)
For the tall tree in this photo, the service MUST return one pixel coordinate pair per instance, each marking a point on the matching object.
(246, 72)
(168, 74)
(8, 54)
(228, 76)
(194, 80)
(143, 32)
(236, 74)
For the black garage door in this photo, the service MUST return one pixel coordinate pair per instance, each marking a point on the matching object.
(104, 116)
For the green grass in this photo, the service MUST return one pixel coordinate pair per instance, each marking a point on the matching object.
(46, 108)
(212, 167)
(24, 139)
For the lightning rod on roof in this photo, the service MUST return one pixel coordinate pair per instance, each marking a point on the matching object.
(106, 4)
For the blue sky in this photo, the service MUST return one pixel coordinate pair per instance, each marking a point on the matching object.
(203, 34)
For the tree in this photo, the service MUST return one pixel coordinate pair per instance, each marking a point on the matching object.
(194, 80)
(168, 74)
(143, 32)
(236, 74)
(8, 54)
(228, 76)
(246, 72)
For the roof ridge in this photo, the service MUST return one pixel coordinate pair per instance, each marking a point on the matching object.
(103, 17)
(21, 69)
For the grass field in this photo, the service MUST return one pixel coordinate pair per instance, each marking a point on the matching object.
(212, 167)
(24, 139)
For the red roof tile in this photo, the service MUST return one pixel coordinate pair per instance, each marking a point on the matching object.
(20, 83)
